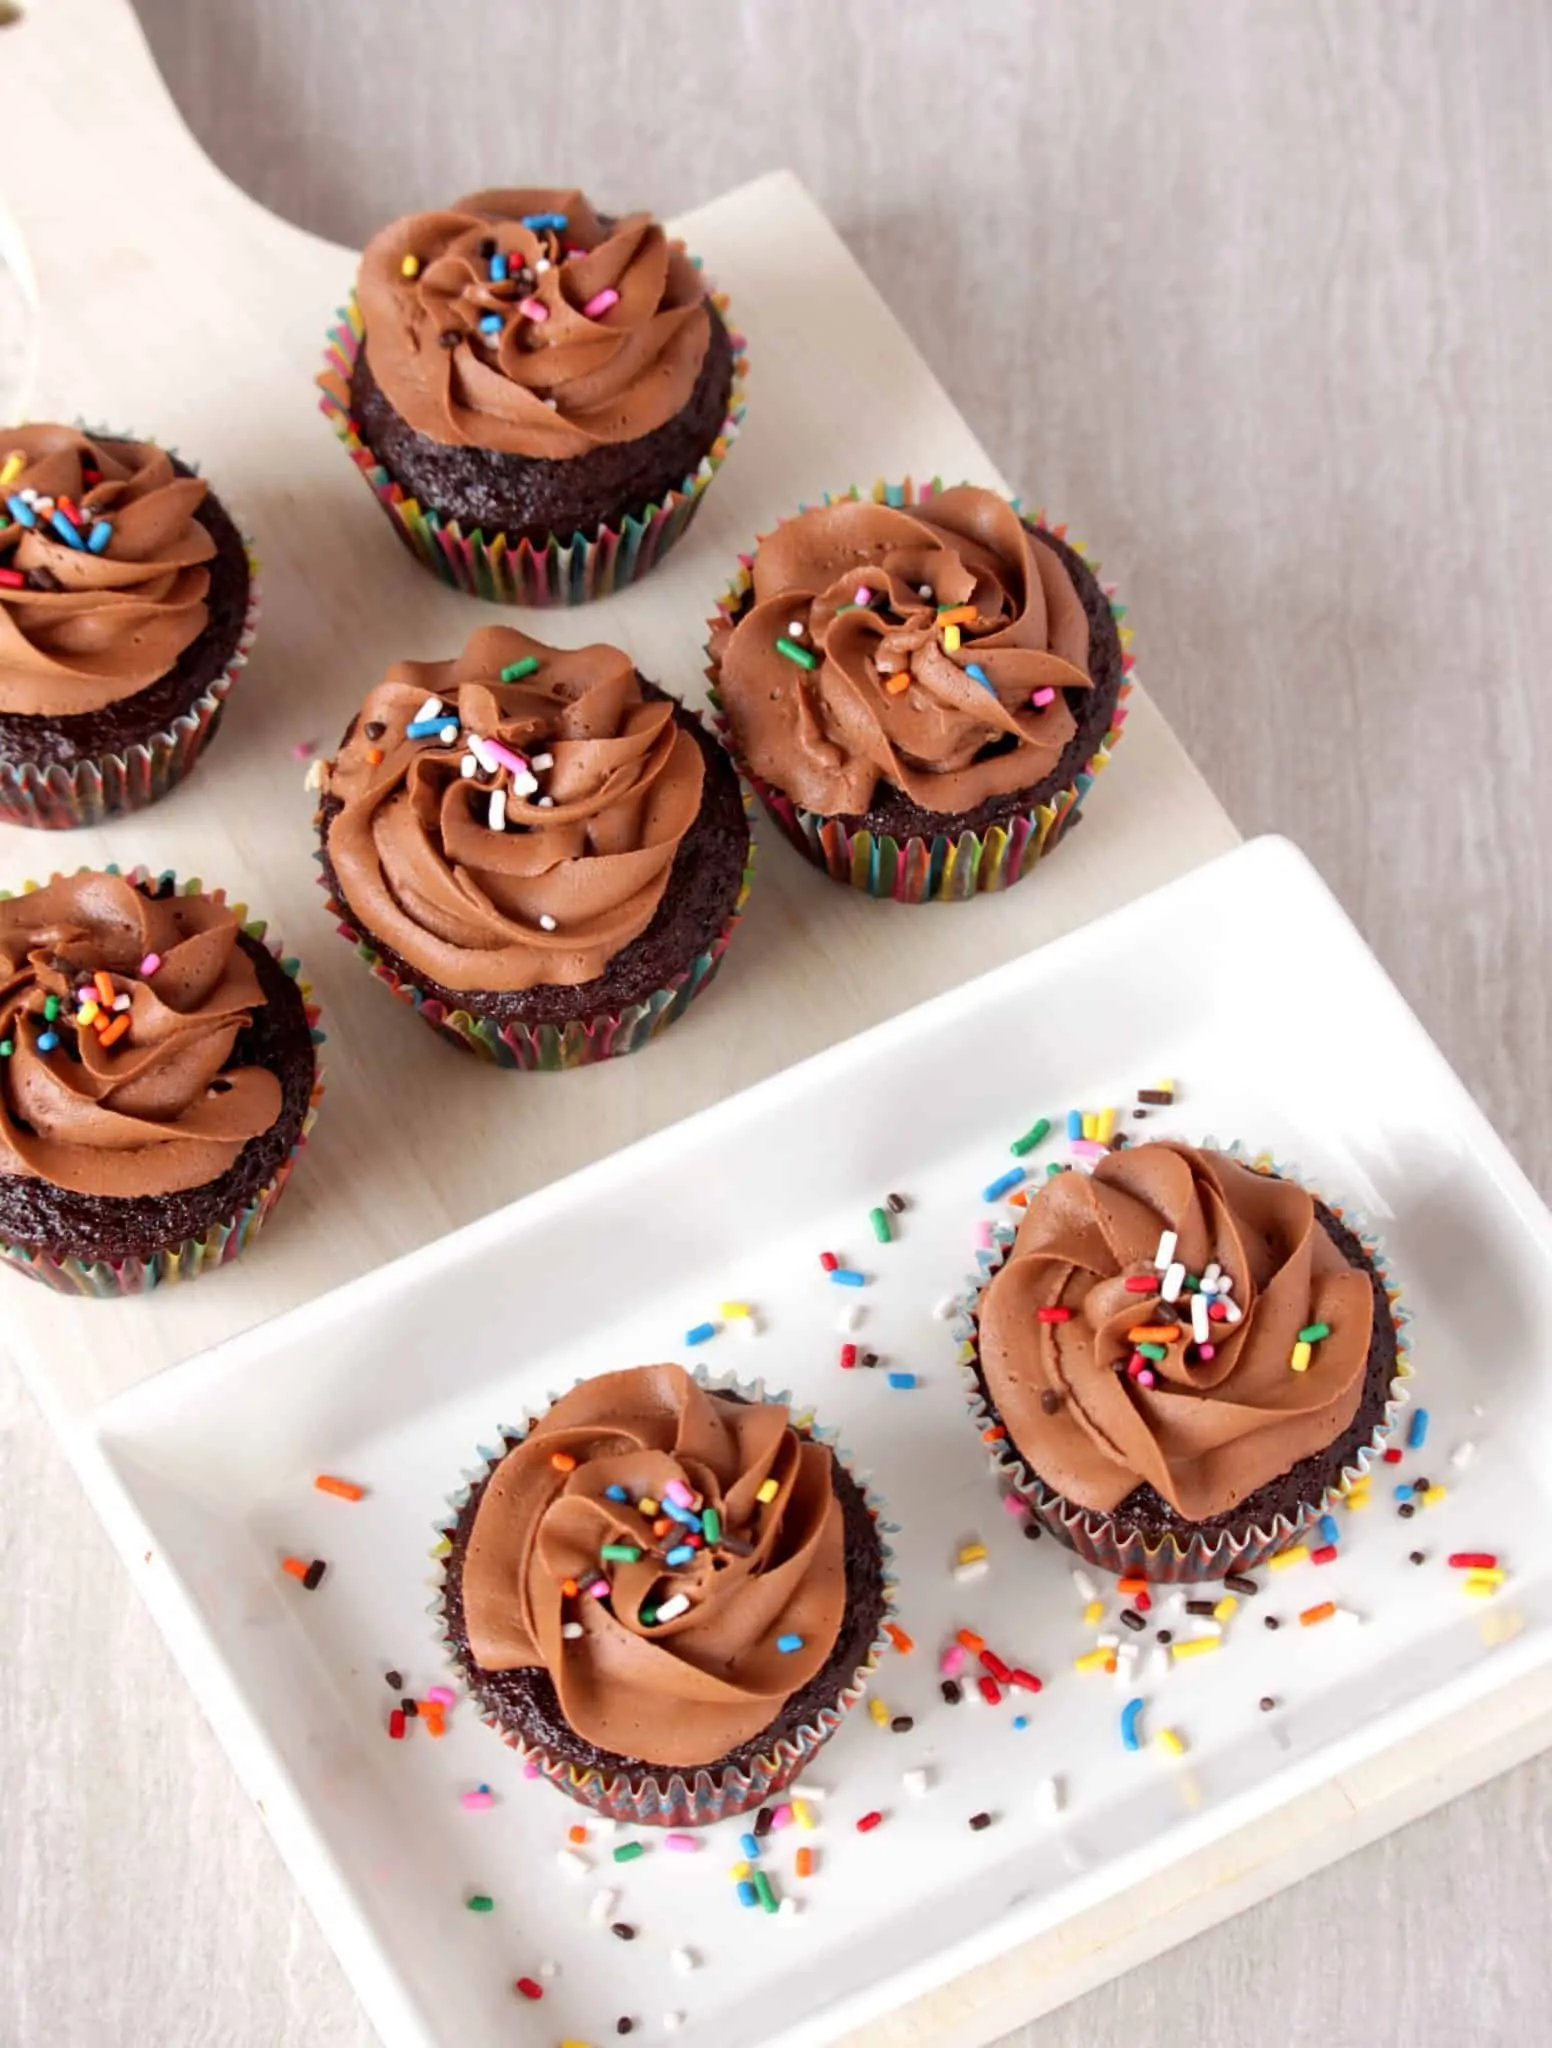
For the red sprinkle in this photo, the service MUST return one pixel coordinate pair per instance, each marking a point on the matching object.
(12, 579)
(1142, 1602)
(829, 1261)
(529, 1988)
(989, 1691)
(1392, 1456)
(1026, 1681)
(1326, 1554)
(1054, 1315)
(868, 1823)
(1142, 1283)
(1217, 1312)
(1472, 1560)
(396, 1725)
(848, 1357)
(996, 1667)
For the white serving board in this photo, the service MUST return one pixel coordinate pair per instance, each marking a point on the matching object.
(206, 1473)
(201, 317)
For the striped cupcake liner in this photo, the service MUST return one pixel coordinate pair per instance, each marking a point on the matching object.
(562, 571)
(228, 1237)
(942, 869)
(686, 1799)
(59, 797)
(1172, 1560)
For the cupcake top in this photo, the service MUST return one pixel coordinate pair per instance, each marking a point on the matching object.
(511, 816)
(119, 1019)
(929, 648)
(673, 1558)
(1214, 1417)
(525, 322)
(102, 569)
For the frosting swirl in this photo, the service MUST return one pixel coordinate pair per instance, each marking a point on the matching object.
(119, 1013)
(511, 817)
(929, 648)
(647, 1677)
(520, 321)
(1210, 1430)
(103, 581)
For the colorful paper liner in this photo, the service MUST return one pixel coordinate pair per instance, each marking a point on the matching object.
(562, 571)
(704, 1796)
(940, 869)
(551, 1048)
(225, 1239)
(1095, 1537)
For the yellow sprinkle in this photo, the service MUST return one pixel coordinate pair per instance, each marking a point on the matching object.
(1434, 1495)
(647, 1505)
(442, 1547)
(1104, 1126)
(734, 1311)
(1485, 1575)
(1090, 1124)
(738, 1871)
(767, 1491)
(1226, 1606)
(1196, 1646)
(1302, 1354)
(87, 1014)
(971, 1553)
(803, 1813)
(410, 267)
(1285, 1558)
(575, 2044)
(1170, 1742)
(1480, 1589)
(1360, 1497)
(1095, 1660)
(879, 1712)
(1094, 1613)
(15, 463)
(951, 639)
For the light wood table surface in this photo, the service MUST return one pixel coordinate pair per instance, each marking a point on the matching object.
(1257, 294)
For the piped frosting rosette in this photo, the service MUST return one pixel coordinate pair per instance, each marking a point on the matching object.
(106, 570)
(676, 1578)
(123, 1002)
(1167, 1348)
(920, 685)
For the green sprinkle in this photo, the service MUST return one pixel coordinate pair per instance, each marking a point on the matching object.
(879, 1218)
(7, 1047)
(1313, 1332)
(1035, 1135)
(51, 1007)
(629, 1851)
(515, 671)
(1157, 1352)
(649, 1617)
(763, 1892)
(711, 1525)
(1053, 1169)
(621, 1553)
(1191, 1284)
(793, 652)
(480, 1903)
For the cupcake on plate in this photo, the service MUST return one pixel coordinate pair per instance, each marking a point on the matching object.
(664, 1595)
(158, 1073)
(540, 850)
(1186, 1357)
(127, 605)
(920, 692)
(537, 393)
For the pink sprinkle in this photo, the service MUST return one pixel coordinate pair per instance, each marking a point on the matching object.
(983, 1237)
(782, 1817)
(862, 595)
(148, 965)
(678, 1493)
(1043, 697)
(302, 749)
(1012, 1505)
(530, 1769)
(477, 1801)
(1087, 1148)
(682, 1845)
(1145, 1377)
(600, 1589)
(1207, 1351)
(442, 1694)
(600, 302)
(533, 309)
(506, 757)
(952, 1662)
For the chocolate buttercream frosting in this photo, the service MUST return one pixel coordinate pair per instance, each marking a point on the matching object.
(1210, 1430)
(103, 576)
(522, 322)
(501, 834)
(118, 1016)
(685, 1690)
(928, 648)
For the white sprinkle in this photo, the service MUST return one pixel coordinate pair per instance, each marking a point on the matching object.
(573, 1862)
(549, 1971)
(1174, 1279)
(601, 1905)
(553, 404)
(1083, 1585)
(917, 1782)
(571, 1630)
(685, 1961)
(468, 765)
(924, 590)
(546, 803)
(672, 1609)
(748, 1326)
(794, 629)
(1463, 1454)
(541, 266)
(432, 708)
(789, 1909)
(850, 1319)
(604, 1827)
(1049, 1796)
(1210, 1277)
(523, 784)
(1201, 1326)
(1204, 1627)
(317, 775)
(965, 1574)
(818, 1794)
(121, 1002)
(945, 1308)
(1107, 1642)
(1160, 1662)
(1165, 1254)
(1178, 1599)
(482, 753)
(1126, 1663)
(1232, 1312)
(672, 2022)
(497, 815)
(541, 760)
(1349, 1615)
(448, 736)
(546, 922)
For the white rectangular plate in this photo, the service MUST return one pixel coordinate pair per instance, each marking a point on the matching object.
(1246, 983)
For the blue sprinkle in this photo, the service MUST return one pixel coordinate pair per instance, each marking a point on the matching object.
(1075, 1123)
(545, 220)
(615, 1493)
(680, 1554)
(1002, 1185)
(747, 1895)
(498, 270)
(491, 323)
(429, 728)
(1404, 1490)
(787, 1644)
(1021, 1720)
(100, 535)
(1131, 1714)
(750, 1847)
(21, 512)
(1329, 1533)
(47, 1040)
(65, 530)
(902, 1379)
(700, 1333)
(977, 674)
(687, 1516)
(1417, 1435)
(848, 1276)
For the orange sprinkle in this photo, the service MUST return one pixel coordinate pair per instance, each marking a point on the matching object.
(374, 757)
(897, 685)
(563, 1461)
(971, 1641)
(568, 1589)
(1134, 1583)
(101, 1021)
(296, 1566)
(994, 1435)
(116, 1029)
(342, 1489)
(1323, 1612)
(433, 1724)
(959, 615)
(1018, 1199)
(103, 982)
(1155, 1333)
(803, 1863)
(661, 1526)
(902, 1642)
(576, 1834)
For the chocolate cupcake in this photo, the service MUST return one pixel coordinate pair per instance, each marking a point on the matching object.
(127, 605)
(537, 393)
(158, 1073)
(920, 693)
(1185, 1358)
(542, 852)
(665, 1596)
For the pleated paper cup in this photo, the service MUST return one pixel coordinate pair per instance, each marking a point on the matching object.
(644, 1797)
(226, 1237)
(1206, 1554)
(943, 868)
